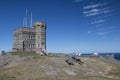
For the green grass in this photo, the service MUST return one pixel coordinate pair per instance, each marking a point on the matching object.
(6, 77)
(24, 54)
(115, 72)
(34, 69)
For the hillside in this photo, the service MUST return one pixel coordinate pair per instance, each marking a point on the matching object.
(29, 66)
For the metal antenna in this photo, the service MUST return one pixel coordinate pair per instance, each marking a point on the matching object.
(23, 21)
(26, 18)
(31, 20)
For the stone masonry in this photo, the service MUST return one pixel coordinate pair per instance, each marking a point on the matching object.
(32, 39)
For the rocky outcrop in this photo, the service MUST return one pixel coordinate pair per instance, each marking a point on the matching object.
(5, 59)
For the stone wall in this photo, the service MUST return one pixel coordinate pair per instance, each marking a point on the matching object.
(30, 39)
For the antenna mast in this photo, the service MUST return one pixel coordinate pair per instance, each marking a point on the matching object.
(26, 18)
(31, 20)
(23, 21)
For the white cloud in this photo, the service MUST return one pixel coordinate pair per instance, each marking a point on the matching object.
(91, 11)
(76, 1)
(98, 25)
(96, 9)
(102, 31)
(98, 21)
(94, 5)
(94, 12)
(89, 32)
(99, 14)
(105, 31)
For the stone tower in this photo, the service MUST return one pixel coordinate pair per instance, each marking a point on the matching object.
(40, 37)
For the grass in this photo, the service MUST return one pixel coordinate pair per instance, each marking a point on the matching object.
(34, 69)
(24, 54)
(115, 72)
(7, 77)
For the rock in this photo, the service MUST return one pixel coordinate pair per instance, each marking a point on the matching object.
(5, 59)
(70, 61)
(49, 70)
(69, 72)
(73, 60)
(23, 59)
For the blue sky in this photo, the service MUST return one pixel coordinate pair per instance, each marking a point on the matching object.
(72, 25)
